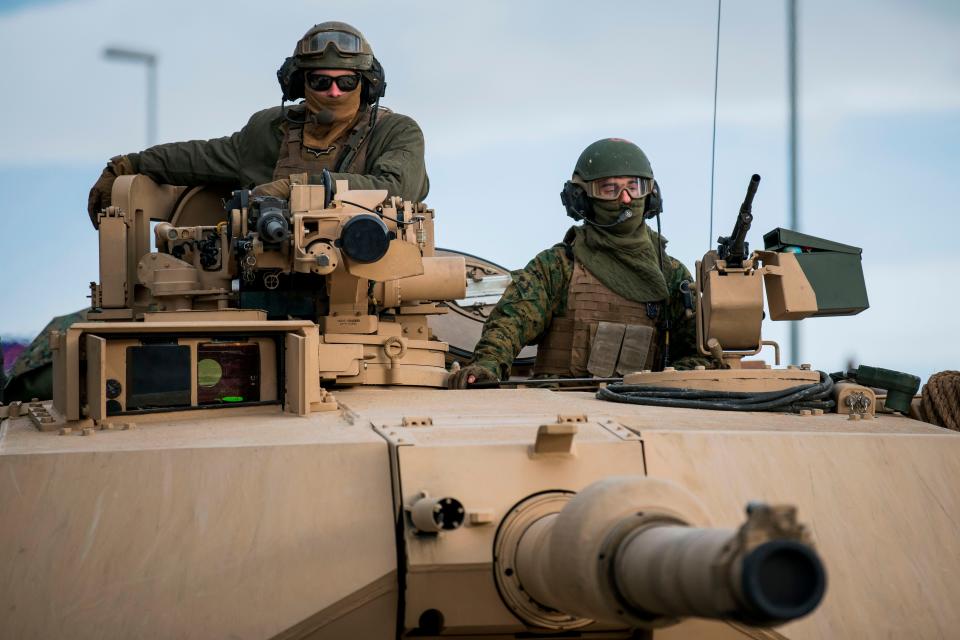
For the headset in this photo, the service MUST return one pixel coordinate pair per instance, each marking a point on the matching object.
(575, 201)
(290, 77)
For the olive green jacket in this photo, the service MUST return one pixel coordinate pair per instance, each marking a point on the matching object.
(394, 158)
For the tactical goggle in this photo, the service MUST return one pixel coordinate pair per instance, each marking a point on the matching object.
(319, 82)
(343, 41)
(611, 188)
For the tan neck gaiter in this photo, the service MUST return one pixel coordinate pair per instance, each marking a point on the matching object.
(329, 118)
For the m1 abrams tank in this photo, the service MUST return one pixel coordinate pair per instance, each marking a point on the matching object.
(250, 438)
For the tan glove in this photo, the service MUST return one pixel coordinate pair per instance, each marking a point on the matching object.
(470, 375)
(277, 189)
(100, 193)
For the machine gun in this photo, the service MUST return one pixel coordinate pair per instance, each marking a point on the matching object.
(734, 248)
(258, 303)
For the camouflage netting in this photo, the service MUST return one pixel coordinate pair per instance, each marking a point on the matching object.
(940, 401)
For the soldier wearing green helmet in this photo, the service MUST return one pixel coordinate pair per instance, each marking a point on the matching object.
(338, 128)
(605, 301)
(338, 132)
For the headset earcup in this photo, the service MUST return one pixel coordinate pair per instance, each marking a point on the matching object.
(574, 200)
(290, 79)
(654, 203)
(374, 83)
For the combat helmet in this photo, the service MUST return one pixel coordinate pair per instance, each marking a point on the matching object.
(610, 158)
(332, 45)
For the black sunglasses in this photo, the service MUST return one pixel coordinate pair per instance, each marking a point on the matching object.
(322, 83)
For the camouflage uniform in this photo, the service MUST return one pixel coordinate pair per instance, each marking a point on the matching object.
(538, 294)
(32, 372)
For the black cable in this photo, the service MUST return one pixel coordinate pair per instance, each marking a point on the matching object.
(379, 213)
(809, 396)
(665, 319)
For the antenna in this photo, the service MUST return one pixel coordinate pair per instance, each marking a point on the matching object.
(713, 146)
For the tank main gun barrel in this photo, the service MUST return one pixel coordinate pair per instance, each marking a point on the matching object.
(670, 571)
(734, 248)
(648, 567)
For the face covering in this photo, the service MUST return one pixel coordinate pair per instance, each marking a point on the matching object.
(623, 257)
(330, 117)
(608, 211)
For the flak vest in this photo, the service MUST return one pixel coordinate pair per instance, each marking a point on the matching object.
(347, 154)
(601, 334)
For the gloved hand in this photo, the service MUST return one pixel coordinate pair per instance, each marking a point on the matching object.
(99, 198)
(469, 375)
(277, 189)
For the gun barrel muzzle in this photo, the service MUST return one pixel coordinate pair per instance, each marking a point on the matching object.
(670, 571)
(752, 188)
(598, 559)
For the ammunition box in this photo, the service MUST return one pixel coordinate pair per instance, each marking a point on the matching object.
(834, 270)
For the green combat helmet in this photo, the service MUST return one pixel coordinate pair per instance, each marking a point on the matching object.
(612, 157)
(605, 159)
(332, 45)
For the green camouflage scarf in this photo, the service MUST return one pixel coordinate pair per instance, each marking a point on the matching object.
(623, 257)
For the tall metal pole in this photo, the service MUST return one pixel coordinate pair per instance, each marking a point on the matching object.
(793, 152)
(152, 101)
(150, 60)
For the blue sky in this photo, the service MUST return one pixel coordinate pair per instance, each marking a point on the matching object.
(508, 93)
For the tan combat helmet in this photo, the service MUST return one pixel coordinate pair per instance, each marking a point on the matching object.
(332, 45)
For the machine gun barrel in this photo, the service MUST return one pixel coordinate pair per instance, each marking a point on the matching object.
(733, 248)
(653, 568)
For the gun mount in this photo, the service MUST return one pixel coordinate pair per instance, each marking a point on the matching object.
(260, 303)
(731, 282)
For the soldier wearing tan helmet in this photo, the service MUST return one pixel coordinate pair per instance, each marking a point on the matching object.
(339, 128)
(605, 301)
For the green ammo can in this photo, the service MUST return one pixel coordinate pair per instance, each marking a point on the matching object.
(834, 270)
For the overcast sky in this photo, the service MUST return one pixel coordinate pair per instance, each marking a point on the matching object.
(508, 94)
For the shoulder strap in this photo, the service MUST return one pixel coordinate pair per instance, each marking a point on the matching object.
(354, 153)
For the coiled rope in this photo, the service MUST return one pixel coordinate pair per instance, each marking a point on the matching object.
(809, 396)
(940, 400)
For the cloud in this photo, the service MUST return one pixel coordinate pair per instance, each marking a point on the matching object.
(513, 71)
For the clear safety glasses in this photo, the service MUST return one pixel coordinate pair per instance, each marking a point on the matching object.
(343, 41)
(611, 188)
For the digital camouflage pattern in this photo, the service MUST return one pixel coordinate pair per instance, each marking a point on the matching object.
(538, 293)
(32, 372)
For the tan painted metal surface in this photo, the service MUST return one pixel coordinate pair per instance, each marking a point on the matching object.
(234, 526)
(180, 524)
